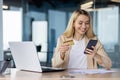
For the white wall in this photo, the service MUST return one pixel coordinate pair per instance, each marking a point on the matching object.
(39, 37)
(39, 34)
(1, 32)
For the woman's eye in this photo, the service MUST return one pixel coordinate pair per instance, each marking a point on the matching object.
(86, 23)
(80, 23)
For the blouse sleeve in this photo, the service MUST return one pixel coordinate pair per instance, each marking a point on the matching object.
(106, 61)
(56, 60)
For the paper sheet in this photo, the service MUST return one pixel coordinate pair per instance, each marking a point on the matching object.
(91, 71)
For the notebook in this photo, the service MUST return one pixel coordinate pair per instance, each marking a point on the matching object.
(26, 58)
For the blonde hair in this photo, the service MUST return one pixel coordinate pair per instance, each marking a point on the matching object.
(69, 32)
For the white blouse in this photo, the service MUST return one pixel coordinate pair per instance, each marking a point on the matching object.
(77, 58)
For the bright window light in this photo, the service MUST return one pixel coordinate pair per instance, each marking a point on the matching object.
(12, 27)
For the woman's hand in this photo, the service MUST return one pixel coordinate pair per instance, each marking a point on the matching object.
(91, 52)
(63, 48)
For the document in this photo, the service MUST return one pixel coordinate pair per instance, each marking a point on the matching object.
(90, 71)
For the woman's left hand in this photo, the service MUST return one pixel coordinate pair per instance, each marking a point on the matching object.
(91, 52)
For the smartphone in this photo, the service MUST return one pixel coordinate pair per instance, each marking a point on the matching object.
(90, 44)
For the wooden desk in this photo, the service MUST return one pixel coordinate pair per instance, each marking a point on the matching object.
(25, 75)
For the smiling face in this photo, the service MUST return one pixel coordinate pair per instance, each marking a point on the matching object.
(81, 24)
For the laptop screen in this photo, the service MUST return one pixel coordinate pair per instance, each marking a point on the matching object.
(25, 56)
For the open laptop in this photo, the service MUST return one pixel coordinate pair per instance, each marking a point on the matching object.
(26, 58)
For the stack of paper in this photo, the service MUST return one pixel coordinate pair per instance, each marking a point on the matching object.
(91, 71)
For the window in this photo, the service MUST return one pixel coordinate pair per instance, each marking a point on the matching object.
(108, 27)
(12, 27)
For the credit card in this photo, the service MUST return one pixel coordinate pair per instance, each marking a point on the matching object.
(70, 42)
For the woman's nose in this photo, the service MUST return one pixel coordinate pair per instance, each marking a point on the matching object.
(84, 25)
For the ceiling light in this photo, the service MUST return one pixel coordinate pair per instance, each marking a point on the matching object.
(118, 1)
(86, 5)
(5, 7)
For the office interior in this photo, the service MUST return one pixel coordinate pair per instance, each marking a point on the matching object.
(43, 21)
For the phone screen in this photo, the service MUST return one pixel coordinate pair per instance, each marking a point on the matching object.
(90, 44)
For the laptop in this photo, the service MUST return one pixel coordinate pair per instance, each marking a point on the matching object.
(26, 58)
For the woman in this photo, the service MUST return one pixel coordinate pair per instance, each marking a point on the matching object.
(79, 31)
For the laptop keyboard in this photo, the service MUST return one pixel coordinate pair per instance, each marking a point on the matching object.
(48, 69)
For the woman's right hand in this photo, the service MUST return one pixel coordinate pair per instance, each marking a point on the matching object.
(63, 48)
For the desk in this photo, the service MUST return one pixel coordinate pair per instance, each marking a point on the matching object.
(26, 75)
